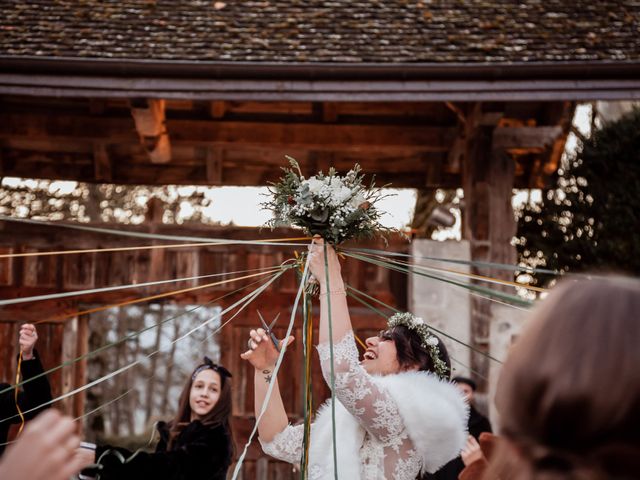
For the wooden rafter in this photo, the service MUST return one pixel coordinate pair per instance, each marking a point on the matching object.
(525, 138)
(398, 139)
(149, 119)
(244, 142)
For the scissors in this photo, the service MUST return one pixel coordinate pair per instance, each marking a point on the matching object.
(268, 328)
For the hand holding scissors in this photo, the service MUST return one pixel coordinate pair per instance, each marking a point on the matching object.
(269, 329)
(264, 347)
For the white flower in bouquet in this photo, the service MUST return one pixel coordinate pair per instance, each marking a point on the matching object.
(336, 207)
(339, 195)
(357, 200)
(315, 185)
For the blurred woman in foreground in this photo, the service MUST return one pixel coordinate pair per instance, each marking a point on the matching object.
(569, 392)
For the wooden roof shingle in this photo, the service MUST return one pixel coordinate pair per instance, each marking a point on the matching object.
(336, 31)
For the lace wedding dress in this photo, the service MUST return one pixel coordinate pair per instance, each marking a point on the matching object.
(386, 452)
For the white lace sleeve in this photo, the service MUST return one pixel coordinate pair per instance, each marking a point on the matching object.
(286, 445)
(374, 408)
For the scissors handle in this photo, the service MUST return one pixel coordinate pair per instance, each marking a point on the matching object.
(274, 339)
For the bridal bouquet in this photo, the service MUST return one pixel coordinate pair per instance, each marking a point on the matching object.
(336, 207)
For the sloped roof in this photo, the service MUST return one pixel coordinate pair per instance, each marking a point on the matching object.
(337, 31)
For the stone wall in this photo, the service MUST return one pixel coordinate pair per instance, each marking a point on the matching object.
(445, 306)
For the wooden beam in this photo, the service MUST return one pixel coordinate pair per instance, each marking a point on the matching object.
(149, 118)
(434, 173)
(456, 154)
(97, 106)
(101, 163)
(394, 139)
(328, 137)
(531, 138)
(48, 310)
(214, 166)
(217, 109)
(329, 112)
(458, 111)
(236, 174)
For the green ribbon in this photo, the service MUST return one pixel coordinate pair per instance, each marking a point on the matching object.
(476, 288)
(148, 236)
(393, 309)
(263, 409)
(54, 296)
(128, 337)
(473, 263)
(250, 297)
(333, 380)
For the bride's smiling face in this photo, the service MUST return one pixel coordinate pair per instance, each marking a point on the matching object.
(381, 356)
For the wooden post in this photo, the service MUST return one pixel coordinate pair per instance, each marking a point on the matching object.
(69, 352)
(102, 163)
(155, 211)
(488, 224)
(80, 374)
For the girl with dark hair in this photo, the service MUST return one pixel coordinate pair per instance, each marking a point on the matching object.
(197, 443)
(397, 414)
(569, 392)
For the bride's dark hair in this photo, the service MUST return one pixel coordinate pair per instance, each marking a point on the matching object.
(569, 392)
(410, 351)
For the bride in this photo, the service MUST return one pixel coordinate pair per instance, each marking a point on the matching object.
(397, 414)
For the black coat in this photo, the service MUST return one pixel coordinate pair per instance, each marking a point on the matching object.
(199, 452)
(477, 424)
(33, 394)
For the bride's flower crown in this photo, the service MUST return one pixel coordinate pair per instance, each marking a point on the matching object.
(428, 341)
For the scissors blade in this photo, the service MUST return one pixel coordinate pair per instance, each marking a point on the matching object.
(264, 324)
(274, 321)
(274, 340)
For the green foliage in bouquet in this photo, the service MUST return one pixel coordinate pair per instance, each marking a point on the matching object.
(336, 207)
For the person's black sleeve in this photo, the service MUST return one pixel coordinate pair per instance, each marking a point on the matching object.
(204, 455)
(7, 405)
(35, 393)
(485, 426)
(6, 401)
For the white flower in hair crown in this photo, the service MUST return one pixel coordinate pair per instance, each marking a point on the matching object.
(428, 341)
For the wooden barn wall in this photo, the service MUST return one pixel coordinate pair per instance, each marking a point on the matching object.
(63, 339)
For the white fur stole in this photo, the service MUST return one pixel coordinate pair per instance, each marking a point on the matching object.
(433, 411)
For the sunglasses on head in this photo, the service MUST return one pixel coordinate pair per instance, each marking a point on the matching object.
(208, 364)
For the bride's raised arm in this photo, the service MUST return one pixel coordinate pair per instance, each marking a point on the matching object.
(278, 438)
(332, 291)
(372, 406)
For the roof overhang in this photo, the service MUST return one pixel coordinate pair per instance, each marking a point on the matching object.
(118, 78)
